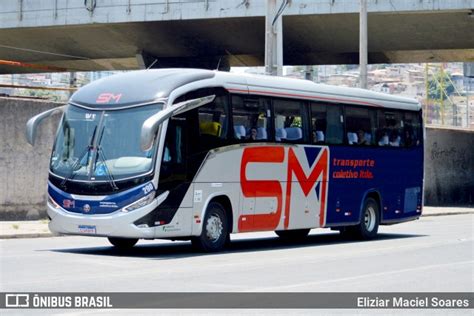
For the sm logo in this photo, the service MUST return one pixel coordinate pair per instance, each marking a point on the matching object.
(316, 181)
(108, 98)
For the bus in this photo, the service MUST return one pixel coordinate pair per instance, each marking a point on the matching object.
(190, 154)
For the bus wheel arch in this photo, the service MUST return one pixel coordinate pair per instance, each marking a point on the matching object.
(218, 209)
(369, 221)
(375, 195)
(225, 202)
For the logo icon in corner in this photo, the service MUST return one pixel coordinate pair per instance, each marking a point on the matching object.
(17, 300)
(68, 203)
(86, 208)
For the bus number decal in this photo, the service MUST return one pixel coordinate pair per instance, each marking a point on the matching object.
(148, 188)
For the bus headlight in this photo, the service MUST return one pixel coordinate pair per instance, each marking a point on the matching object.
(139, 203)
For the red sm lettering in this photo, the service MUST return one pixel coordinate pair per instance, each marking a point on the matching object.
(273, 188)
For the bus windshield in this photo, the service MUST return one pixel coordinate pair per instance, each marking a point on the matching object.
(102, 145)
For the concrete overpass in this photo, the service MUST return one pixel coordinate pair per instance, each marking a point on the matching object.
(108, 34)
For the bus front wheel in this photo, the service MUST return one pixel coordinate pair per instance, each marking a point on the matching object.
(123, 243)
(215, 231)
(369, 224)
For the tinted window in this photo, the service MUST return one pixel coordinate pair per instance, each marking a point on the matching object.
(208, 125)
(389, 128)
(412, 134)
(173, 152)
(250, 119)
(288, 120)
(360, 126)
(213, 118)
(326, 125)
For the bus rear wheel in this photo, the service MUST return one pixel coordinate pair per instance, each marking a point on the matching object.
(123, 243)
(215, 232)
(369, 224)
(292, 235)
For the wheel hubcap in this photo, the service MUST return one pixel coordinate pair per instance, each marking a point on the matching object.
(214, 228)
(369, 218)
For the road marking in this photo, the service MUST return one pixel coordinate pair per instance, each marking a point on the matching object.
(371, 275)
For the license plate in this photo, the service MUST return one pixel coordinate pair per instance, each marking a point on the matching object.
(87, 229)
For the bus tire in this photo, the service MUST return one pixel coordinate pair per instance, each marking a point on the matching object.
(123, 243)
(292, 235)
(369, 224)
(215, 231)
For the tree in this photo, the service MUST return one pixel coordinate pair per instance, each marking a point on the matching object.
(438, 82)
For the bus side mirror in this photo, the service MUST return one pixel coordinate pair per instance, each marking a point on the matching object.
(33, 123)
(150, 126)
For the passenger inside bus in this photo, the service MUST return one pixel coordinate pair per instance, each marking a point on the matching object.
(363, 138)
(250, 119)
(409, 139)
(383, 138)
(394, 139)
(253, 134)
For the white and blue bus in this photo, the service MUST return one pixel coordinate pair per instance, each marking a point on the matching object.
(198, 154)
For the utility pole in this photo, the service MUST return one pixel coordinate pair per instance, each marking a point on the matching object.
(466, 89)
(72, 82)
(308, 73)
(363, 44)
(273, 39)
(427, 101)
(441, 91)
(468, 71)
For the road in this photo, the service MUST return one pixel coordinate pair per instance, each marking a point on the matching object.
(432, 254)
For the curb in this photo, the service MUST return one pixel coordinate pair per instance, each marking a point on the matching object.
(35, 235)
(448, 213)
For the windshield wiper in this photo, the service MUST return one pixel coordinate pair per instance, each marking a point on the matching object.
(101, 155)
(86, 150)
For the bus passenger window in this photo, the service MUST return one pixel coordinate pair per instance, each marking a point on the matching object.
(390, 129)
(251, 118)
(213, 118)
(288, 120)
(360, 126)
(213, 123)
(335, 128)
(411, 129)
(318, 123)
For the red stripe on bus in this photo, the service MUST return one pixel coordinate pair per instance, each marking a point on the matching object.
(305, 96)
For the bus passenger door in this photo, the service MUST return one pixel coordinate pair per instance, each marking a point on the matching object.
(173, 166)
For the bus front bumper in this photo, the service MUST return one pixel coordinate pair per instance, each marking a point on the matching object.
(116, 224)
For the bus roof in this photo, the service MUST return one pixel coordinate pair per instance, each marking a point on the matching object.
(148, 86)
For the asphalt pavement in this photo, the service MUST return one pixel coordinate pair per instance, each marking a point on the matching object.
(432, 254)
